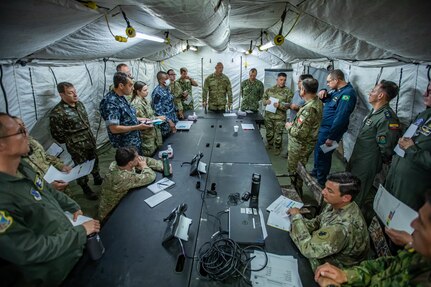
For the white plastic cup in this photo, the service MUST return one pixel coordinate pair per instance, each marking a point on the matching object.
(235, 128)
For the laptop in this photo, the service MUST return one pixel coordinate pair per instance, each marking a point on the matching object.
(245, 226)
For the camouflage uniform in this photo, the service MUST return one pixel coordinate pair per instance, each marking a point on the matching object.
(409, 176)
(163, 105)
(186, 85)
(35, 235)
(151, 138)
(70, 125)
(375, 144)
(252, 92)
(339, 237)
(274, 122)
(177, 92)
(303, 137)
(215, 90)
(118, 182)
(408, 268)
(115, 110)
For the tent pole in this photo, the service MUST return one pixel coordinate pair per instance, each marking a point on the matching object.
(240, 90)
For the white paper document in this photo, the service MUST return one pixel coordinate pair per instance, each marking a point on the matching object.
(282, 204)
(76, 172)
(229, 114)
(202, 167)
(270, 108)
(408, 134)
(80, 220)
(246, 127)
(160, 185)
(279, 221)
(182, 231)
(326, 148)
(157, 198)
(54, 150)
(262, 220)
(184, 125)
(392, 212)
(188, 100)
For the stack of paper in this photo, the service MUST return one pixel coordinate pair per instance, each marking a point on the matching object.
(246, 127)
(183, 125)
(157, 198)
(78, 171)
(281, 271)
(278, 217)
(162, 184)
(80, 220)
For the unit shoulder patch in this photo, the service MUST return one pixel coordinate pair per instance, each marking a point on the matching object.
(381, 139)
(5, 221)
(394, 126)
(345, 97)
(387, 114)
(323, 235)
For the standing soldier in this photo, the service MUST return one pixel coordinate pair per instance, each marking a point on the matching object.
(69, 124)
(216, 87)
(274, 122)
(252, 92)
(376, 140)
(177, 92)
(303, 130)
(186, 85)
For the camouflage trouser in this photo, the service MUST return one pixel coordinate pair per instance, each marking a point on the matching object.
(81, 152)
(274, 132)
(297, 152)
(151, 140)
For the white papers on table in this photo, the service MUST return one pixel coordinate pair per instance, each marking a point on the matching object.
(182, 231)
(262, 220)
(326, 148)
(202, 167)
(278, 217)
(280, 270)
(247, 127)
(157, 198)
(80, 220)
(229, 115)
(392, 212)
(184, 125)
(76, 172)
(162, 184)
(270, 107)
(410, 132)
(54, 150)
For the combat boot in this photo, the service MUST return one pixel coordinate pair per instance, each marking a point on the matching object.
(89, 194)
(97, 179)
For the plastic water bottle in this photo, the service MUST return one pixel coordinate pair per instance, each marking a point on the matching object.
(166, 167)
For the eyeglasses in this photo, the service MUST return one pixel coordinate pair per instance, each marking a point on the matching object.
(330, 81)
(21, 131)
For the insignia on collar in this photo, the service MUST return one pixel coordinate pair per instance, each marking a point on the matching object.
(387, 114)
(368, 122)
(38, 182)
(345, 98)
(5, 221)
(36, 194)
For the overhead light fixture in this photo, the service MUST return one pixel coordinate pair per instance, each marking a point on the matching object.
(249, 51)
(193, 48)
(266, 46)
(188, 47)
(149, 37)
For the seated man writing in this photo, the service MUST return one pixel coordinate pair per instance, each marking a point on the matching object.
(411, 267)
(129, 170)
(339, 234)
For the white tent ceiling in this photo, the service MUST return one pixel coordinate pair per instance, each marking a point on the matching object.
(343, 29)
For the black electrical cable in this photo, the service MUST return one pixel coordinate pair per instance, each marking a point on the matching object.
(32, 91)
(3, 89)
(379, 75)
(55, 78)
(399, 87)
(89, 75)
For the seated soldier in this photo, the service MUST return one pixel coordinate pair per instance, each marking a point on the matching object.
(339, 234)
(129, 170)
(411, 267)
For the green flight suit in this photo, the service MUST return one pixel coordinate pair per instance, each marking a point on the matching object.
(374, 146)
(70, 125)
(252, 92)
(408, 268)
(118, 182)
(151, 138)
(186, 85)
(303, 137)
(177, 92)
(215, 90)
(410, 176)
(339, 237)
(274, 122)
(35, 235)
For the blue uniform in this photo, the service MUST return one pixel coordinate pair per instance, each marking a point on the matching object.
(336, 112)
(115, 110)
(163, 105)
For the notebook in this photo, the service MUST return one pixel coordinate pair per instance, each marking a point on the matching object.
(245, 226)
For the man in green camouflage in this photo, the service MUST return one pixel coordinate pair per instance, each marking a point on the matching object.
(216, 88)
(177, 92)
(303, 130)
(274, 122)
(251, 92)
(411, 267)
(186, 85)
(376, 140)
(129, 170)
(69, 124)
(337, 235)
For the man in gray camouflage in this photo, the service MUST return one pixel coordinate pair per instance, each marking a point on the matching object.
(69, 124)
(251, 92)
(216, 88)
(339, 234)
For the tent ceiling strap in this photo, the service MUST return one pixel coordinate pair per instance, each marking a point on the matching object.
(379, 75)
(399, 87)
(89, 75)
(55, 78)
(32, 91)
(3, 89)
